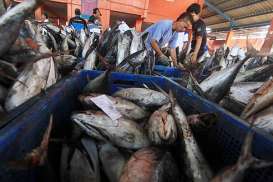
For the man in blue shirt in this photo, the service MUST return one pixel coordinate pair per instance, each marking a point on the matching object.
(166, 32)
(77, 22)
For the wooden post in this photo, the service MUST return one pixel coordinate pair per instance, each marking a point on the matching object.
(138, 24)
(268, 42)
(228, 41)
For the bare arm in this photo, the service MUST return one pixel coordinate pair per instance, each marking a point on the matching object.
(173, 56)
(155, 46)
(197, 48)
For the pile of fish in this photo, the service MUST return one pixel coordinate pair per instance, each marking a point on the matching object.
(129, 137)
(34, 56)
(26, 63)
(244, 88)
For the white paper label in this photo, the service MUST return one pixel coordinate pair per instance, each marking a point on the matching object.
(106, 105)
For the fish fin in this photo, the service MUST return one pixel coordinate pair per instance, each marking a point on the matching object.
(144, 36)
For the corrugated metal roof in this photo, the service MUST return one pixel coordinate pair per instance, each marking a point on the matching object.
(243, 12)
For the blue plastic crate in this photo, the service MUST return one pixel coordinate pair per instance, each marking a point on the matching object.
(168, 71)
(221, 145)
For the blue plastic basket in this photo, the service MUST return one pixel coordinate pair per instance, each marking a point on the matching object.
(222, 143)
(168, 71)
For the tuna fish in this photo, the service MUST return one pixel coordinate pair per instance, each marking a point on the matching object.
(11, 22)
(197, 169)
(83, 37)
(112, 161)
(98, 84)
(122, 132)
(217, 85)
(136, 41)
(90, 61)
(243, 91)
(261, 99)
(65, 61)
(162, 127)
(236, 172)
(150, 165)
(259, 74)
(143, 96)
(124, 43)
(126, 108)
(36, 77)
(263, 120)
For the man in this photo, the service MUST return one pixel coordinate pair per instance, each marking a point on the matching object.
(77, 22)
(95, 17)
(166, 32)
(199, 34)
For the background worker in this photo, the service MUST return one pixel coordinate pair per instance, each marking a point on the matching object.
(95, 17)
(199, 34)
(166, 32)
(77, 22)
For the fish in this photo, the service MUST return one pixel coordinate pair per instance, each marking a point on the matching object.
(162, 128)
(112, 160)
(150, 165)
(54, 42)
(143, 97)
(246, 160)
(122, 132)
(217, 85)
(90, 61)
(243, 91)
(87, 45)
(78, 47)
(65, 46)
(263, 119)
(197, 168)
(232, 105)
(126, 108)
(135, 59)
(98, 84)
(36, 77)
(8, 71)
(124, 43)
(258, 74)
(135, 42)
(83, 37)
(11, 22)
(260, 100)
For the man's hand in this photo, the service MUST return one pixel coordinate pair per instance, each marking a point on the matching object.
(194, 58)
(164, 60)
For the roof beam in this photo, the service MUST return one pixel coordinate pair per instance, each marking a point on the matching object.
(237, 6)
(242, 26)
(221, 13)
(258, 13)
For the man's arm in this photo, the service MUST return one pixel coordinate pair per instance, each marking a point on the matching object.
(173, 56)
(156, 48)
(196, 50)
